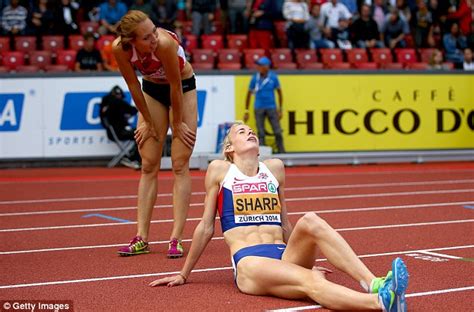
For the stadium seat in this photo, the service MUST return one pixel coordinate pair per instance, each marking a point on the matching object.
(203, 58)
(417, 66)
(381, 56)
(366, 65)
(338, 65)
(88, 26)
(66, 57)
(76, 42)
(330, 56)
(191, 43)
(4, 70)
(25, 43)
(104, 40)
(216, 27)
(13, 59)
(393, 66)
(27, 69)
(355, 56)
(55, 68)
(252, 55)
(40, 58)
(237, 42)
(282, 58)
(226, 57)
(214, 42)
(187, 27)
(307, 59)
(425, 54)
(52, 43)
(406, 56)
(4, 44)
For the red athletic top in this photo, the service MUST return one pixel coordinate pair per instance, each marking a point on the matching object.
(152, 67)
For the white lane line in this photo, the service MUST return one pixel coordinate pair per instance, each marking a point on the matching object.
(294, 199)
(97, 279)
(321, 187)
(430, 253)
(418, 294)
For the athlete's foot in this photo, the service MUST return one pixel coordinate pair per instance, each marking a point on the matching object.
(137, 246)
(175, 249)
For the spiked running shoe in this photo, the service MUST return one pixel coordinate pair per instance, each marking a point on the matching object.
(400, 276)
(175, 249)
(392, 291)
(137, 246)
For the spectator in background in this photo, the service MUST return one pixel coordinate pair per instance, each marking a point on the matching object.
(14, 19)
(238, 20)
(331, 12)
(89, 10)
(145, 7)
(434, 36)
(297, 14)
(108, 58)
(202, 15)
(66, 18)
(110, 13)
(261, 17)
(395, 29)
(88, 58)
(379, 12)
(403, 10)
(436, 61)
(364, 31)
(422, 23)
(470, 38)
(43, 18)
(315, 27)
(454, 43)
(468, 63)
(340, 35)
(463, 16)
(264, 84)
(165, 13)
(351, 5)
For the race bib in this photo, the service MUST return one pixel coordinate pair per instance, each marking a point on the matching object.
(256, 203)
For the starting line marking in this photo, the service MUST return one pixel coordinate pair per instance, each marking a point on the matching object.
(106, 217)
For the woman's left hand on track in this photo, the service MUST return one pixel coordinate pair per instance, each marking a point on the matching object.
(170, 281)
(186, 135)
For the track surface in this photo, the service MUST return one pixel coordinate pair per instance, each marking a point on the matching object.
(60, 229)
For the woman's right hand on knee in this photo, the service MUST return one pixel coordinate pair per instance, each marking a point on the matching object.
(144, 132)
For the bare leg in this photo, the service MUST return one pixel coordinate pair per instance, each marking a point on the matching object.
(312, 232)
(151, 161)
(180, 155)
(265, 276)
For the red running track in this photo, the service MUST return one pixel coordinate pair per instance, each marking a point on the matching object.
(423, 213)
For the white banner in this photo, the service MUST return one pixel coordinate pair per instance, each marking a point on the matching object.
(59, 117)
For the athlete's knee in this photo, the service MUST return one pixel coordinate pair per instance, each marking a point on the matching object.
(313, 224)
(150, 166)
(180, 165)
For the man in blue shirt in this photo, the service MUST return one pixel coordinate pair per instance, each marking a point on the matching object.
(111, 12)
(263, 85)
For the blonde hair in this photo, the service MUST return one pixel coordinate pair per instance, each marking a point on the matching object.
(227, 142)
(127, 25)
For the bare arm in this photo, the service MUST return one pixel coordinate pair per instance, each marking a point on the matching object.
(167, 54)
(205, 229)
(277, 168)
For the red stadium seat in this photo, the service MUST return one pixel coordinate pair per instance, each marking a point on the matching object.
(76, 42)
(252, 55)
(4, 44)
(381, 56)
(214, 42)
(191, 43)
(88, 27)
(355, 56)
(330, 56)
(307, 59)
(4, 69)
(417, 66)
(203, 58)
(237, 42)
(13, 59)
(229, 66)
(53, 43)
(338, 65)
(395, 66)
(216, 27)
(27, 69)
(40, 58)
(229, 56)
(55, 68)
(25, 43)
(66, 57)
(282, 58)
(366, 65)
(104, 40)
(425, 54)
(187, 27)
(406, 56)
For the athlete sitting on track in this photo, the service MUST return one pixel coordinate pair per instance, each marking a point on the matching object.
(269, 256)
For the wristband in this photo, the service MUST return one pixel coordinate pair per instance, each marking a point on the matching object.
(184, 277)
